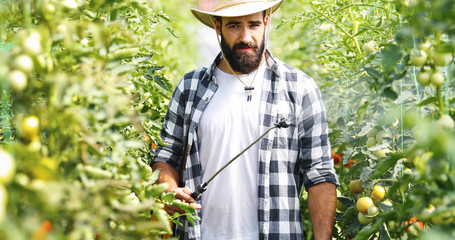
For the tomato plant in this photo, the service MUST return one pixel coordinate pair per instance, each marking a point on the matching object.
(81, 83)
(381, 108)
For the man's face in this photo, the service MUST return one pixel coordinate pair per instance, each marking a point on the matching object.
(242, 41)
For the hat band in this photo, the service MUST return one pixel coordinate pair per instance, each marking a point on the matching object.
(232, 3)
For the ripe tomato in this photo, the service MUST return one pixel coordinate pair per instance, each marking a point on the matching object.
(7, 167)
(378, 192)
(418, 58)
(356, 186)
(424, 78)
(437, 79)
(17, 80)
(348, 164)
(30, 127)
(336, 158)
(363, 204)
(364, 219)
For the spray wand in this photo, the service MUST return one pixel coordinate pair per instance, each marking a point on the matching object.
(283, 123)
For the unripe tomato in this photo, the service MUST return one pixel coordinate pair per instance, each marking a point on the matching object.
(70, 4)
(24, 63)
(441, 58)
(356, 186)
(378, 192)
(32, 43)
(419, 58)
(7, 167)
(372, 211)
(446, 121)
(340, 206)
(369, 47)
(437, 79)
(30, 128)
(371, 142)
(363, 204)
(17, 80)
(381, 153)
(363, 219)
(380, 136)
(424, 78)
(372, 133)
(3, 196)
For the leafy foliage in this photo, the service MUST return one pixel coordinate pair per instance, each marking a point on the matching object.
(93, 75)
(381, 118)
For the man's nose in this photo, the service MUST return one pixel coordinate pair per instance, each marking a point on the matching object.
(245, 35)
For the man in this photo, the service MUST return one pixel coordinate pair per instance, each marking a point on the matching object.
(215, 113)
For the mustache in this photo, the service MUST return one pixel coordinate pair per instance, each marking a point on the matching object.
(241, 45)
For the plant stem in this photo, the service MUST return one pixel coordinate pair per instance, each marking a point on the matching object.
(441, 101)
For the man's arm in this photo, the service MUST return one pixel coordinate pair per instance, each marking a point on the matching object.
(322, 200)
(170, 175)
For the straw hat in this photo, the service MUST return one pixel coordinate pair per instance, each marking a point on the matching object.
(235, 8)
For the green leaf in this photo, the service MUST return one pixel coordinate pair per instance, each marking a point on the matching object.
(427, 101)
(388, 92)
(385, 164)
(160, 80)
(156, 190)
(154, 177)
(168, 197)
(373, 73)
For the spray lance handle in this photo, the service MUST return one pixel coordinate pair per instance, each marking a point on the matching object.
(283, 123)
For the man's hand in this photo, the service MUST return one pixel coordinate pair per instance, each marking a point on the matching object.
(322, 201)
(184, 195)
(170, 175)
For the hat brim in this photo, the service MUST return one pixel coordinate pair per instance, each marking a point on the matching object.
(235, 11)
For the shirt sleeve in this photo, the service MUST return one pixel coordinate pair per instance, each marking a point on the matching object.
(314, 141)
(172, 133)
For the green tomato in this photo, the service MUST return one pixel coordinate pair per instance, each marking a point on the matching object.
(381, 153)
(7, 167)
(372, 211)
(446, 121)
(340, 206)
(371, 142)
(364, 219)
(369, 47)
(424, 78)
(441, 58)
(3, 196)
(32, 43)
(17, 80)
(24, 63)
(437, 79)
(419, 58)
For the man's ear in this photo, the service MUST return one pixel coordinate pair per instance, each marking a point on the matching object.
(217, 25)
(266, 19)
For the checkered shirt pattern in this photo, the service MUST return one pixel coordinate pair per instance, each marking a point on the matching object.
(289, 158)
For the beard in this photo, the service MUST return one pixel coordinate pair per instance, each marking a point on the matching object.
(243, 62)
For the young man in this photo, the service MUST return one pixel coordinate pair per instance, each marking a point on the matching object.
(215, 113)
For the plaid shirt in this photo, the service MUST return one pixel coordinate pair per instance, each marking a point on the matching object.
(288, 157)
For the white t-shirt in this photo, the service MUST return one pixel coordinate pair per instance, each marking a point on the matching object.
(227, 126)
